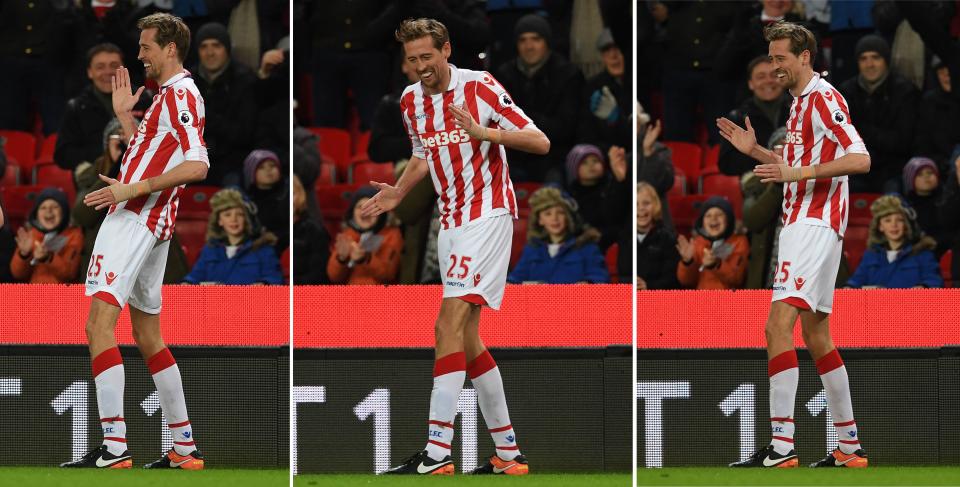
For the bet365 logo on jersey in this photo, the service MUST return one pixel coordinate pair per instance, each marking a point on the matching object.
(794, 137)
(440, 139)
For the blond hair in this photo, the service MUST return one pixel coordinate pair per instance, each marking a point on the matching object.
(413, 29)
(644, 187)
(801, 39)
(170, 28)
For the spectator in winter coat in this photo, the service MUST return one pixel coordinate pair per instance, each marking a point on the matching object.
(310, 243)
(238, 251)
(588, 181)
(947, 209)
(714, 258)
(657, 255)
(898, 257)
(939, 119)
(367, 250)
(558, 252)
(48, 250)
(269, 190)
(922, 190)
(654, 161)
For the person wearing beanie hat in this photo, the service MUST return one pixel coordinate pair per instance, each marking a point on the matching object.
(269, 190)
(939, 115)
(898, 255)
(714, 258)
(48, 248)
(588, 182)
(923, 190)
(559, 249)
(229, 93)
(607, 99)
(238, 250)
(884, 106)
(367, 250)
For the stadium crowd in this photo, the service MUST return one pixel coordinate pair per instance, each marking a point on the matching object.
(59, 133)
(565, 64)
(705, 221)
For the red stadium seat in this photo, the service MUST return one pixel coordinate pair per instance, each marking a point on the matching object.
(686, 157)
(11, 176)
(855, 244)
(679, 187)
(611, 258)
(365, 172)
(523, 192)
(328, 175)
(335, 143)
(946, 268)
(192, 235)
(285, 264)
(334, 200)
(519, 240)
(49, 174)
(860, 208)
(22, 147)
(684, 211)
(47, 147)
(711, 159)
(195, 202)
(726, 186)
(17, 203)
(361, 142)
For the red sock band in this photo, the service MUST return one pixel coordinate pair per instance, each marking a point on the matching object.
(107, 358)
(784, 361)
(480, 365)
(161, 361)
(453, 362)
(830, 361)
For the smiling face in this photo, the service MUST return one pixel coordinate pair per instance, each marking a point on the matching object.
(554, 221)
(872, 66)
(763, 82)
(894, 227)
(613, 60)
(364, 223)
(156, 59)
(429, 63)
(532, 48)
(49, 214)
(234, 222)
(714, 222)
(213, 55)
(645, 211)
(102, 68)
(788, 67)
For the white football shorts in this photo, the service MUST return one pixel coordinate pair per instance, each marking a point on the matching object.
(474, 258)
(808, 261)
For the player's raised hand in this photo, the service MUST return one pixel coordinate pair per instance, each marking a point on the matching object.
(385, 200)
(744, 140)
(464, 119)
(123, 97)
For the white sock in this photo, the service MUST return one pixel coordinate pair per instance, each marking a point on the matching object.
(784, 377)
(449, 372)
(833, 374)
(485, 375)
(166, 376)
(109, 380)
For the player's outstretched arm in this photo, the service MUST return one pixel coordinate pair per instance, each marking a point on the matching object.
(116, 192)
(852, 163)
(529, 139)
(745, 141)
(390, 196)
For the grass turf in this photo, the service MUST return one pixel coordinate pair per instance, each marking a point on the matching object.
(532, 480)
(800, 476)
(138, 477)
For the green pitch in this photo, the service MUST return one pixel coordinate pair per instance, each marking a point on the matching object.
(138, 477)
(532, 480)
(800, 476)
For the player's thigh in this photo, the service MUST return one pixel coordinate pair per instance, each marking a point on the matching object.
(146, 292)
(122, 247)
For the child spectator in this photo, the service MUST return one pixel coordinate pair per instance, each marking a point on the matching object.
(657, 255)
(311, 242)
(715, 258)
(238, 250)
(367, 250)
(558, 250)
(921, 184)
(587, 181)
(48, 250)
(264, 182)
(8, 246)
(898, 256)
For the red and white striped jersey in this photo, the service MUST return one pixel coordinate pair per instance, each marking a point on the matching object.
(471, 177)
(171, 132)
(819, 130)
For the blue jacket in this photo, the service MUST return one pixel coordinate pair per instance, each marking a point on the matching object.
(909, 269)
(571, 265)
(248, 266)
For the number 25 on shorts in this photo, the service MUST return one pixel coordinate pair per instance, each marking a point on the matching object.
(464, 260)
(784, 271)
(94, 262)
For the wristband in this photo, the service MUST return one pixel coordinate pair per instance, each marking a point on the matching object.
(808, 172)
(124, 192)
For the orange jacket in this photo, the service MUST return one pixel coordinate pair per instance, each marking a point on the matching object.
(60, 269)
(380, 268)
(728, 275)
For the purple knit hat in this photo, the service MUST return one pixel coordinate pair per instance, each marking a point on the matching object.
(914, 165)
(253, 161)
(577, 155)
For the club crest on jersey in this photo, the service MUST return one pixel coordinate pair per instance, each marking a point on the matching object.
(505, 100)
(839, 117)
(185, 117)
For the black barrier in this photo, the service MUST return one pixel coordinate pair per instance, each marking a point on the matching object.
(238, 400)
(904, 401)
(570, 409)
